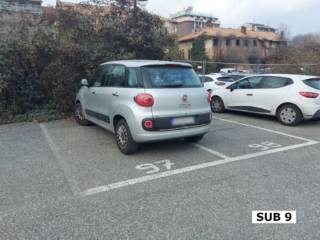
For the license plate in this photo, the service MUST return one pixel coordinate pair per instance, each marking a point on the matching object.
(183, 121)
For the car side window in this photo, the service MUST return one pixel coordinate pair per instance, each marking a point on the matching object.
(98, 78)
(116, 76)
(275, 82)
(132, 78)
(243, 84)
(255, 82)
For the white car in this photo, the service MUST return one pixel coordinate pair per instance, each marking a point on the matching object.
(291, 98)
(216, 81)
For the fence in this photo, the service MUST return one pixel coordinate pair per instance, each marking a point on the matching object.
(206, 67)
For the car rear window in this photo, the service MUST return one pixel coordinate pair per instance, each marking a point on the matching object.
(170, 77)
(314, 83)
(225, 79)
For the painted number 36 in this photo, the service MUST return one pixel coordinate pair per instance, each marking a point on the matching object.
(264, 146)
(155, 167)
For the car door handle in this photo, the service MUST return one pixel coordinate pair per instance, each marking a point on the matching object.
(115, 94)
(249, 94)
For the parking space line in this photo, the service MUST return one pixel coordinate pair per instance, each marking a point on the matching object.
(223, 156)
(60, 161)
(109, 187)
(266, 129)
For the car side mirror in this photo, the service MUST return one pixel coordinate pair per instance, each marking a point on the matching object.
(84, 82)
(232, 88)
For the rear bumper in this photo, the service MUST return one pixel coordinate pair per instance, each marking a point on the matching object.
(165, 123)
(150, 136)
(316, 116)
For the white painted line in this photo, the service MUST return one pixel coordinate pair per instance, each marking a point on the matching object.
(134, 181)
(61, 163)
(210, 151)
(266, 129)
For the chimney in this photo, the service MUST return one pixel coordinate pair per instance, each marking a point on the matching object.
(243, 29)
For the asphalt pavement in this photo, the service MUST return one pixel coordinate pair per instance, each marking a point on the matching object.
(59, 180)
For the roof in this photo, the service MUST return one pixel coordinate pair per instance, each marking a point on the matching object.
(294, 77)
(233, 33)
(141, 63)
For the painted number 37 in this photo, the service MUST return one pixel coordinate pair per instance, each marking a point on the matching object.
(155, 167)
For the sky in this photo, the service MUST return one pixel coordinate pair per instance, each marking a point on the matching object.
(300, 16)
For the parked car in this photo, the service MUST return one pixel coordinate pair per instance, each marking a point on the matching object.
(216, 80)
(291, 98)
(227, 70)
(141, 101)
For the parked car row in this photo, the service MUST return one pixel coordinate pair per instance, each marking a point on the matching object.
(142, 101)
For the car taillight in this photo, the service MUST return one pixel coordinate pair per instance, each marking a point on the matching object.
(144, 100)
(220, 83)
(309, 94)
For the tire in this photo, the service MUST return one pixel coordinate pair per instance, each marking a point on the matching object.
(217, 105)
(289, 115)
(194, 138)
(79, 116)
(124, 139)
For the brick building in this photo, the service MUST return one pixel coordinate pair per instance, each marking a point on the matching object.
(229, 42)
(186, 22)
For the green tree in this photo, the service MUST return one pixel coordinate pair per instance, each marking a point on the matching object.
(198, 51)
(41, 69)
(174, 52)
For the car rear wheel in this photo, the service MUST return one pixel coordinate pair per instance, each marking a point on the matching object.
(289, 115)
(217, 105)
(124, 139)
(194, 138)
(79, 116)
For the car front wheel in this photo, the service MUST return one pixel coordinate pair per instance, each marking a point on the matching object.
(79, 116)
(124, 139)
(289, 115)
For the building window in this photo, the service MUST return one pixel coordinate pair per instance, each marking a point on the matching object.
(246, 43)
(189, 54)
(215, 42)
(228, 42)
(255, 43)
(238, 42)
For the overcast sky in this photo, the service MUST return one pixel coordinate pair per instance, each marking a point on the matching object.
(301, 16)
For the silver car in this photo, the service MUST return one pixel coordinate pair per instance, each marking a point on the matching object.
(142, 101)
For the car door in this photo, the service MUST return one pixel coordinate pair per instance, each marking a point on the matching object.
(240, 96)
(95, 98)
(90, 96)
(272, 93)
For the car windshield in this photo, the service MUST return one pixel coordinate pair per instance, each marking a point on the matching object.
(314, 83)
(225, 79)
(237, 77)
(170, 77)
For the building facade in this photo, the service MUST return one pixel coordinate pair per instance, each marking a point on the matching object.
(186, 22)
(234, 44)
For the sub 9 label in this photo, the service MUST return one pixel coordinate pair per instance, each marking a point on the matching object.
(274, 217)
